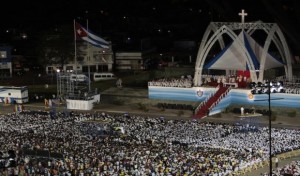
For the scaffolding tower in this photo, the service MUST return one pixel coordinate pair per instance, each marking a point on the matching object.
(72, 89)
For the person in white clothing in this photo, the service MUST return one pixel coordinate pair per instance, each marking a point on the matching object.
(276, 162)
(242, 110)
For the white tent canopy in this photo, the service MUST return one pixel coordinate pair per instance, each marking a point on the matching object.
(233, 58)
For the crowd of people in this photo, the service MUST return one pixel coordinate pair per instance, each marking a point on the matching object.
(291, 169)
(91, 144)
(211, 80)
(292, 88)
(184, 81)
(237, 80)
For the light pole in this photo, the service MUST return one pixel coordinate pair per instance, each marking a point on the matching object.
(57, 85)
(270, 126)
(270, 123)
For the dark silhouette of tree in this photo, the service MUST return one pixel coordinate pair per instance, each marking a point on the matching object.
(56, 46)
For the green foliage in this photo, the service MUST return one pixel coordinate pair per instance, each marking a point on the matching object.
(118, 102)
(180, 113)
(292, 114)
(273, 116)
(103, 85)
(161, 108)
(227, 110)
(152, 75)
(42, 90)
(142, 107)
(218, 115)
(171, 72)
(55, 46)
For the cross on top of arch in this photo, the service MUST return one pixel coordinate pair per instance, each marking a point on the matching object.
(243, 14)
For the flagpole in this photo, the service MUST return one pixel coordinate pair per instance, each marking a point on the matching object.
(88, 50)
(75, 47)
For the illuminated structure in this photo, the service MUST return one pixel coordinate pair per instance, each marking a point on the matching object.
(242, 55)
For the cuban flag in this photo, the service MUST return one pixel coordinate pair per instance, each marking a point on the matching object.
(89, 37)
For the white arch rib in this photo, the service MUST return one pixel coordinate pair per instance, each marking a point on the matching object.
(206, 45)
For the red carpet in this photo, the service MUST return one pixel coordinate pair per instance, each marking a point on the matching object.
(204, 109)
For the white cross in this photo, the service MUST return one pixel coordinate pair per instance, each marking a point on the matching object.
(243, 14)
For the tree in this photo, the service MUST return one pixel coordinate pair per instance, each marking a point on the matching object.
(56, 46)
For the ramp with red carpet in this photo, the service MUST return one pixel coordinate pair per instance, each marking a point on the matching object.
(203, 109)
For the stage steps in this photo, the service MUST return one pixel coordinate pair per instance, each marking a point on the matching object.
(204, 108)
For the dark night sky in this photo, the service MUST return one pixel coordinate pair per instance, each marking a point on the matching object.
(36, 15)
(28, 12)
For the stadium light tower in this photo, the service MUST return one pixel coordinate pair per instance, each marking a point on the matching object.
(270, 125)
(57, 84)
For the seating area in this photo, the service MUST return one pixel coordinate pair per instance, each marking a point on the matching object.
(148, 146)
(275, 87)
(265, 87)
(184, 82)
(289, 169)
(227, 80)
(292, 88)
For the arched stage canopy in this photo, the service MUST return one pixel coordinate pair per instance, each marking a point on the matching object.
(243, 53)
(231, 58)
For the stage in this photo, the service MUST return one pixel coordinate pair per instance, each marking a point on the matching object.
(234, 97)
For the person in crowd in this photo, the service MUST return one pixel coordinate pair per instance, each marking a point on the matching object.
(242, 111)
(276, 162)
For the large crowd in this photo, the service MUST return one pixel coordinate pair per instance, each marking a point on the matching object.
(211, 80)
(91, 144)
(289, 169)
(183, 81)
(292, 88)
